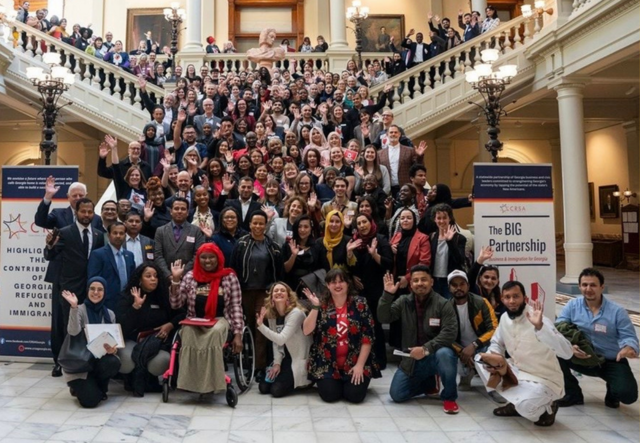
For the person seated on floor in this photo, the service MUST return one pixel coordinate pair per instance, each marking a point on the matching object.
(613, 341)
(533, 385)
(476, 324)
(90, 388)
(341, 360)
(429, 329)
(284, 316)
(208, 291)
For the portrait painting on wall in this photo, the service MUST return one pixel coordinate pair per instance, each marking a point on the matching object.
(609, 203)
(377, 31)
(142, 21)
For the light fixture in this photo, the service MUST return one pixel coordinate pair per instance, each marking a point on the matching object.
(491, 83)
(537, 11)
(175, 15)
(626, 195)
(357, 14)
(51, 85)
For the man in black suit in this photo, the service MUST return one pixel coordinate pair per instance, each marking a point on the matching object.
(57, 219)
(133, 158)
(184, 182)
(245, 205)
(73, 244)
(178, 239)
(141, 246)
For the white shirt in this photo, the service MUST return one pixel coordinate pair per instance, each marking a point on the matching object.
(467, 334)
(245, 207)
(90, 234)
(394, 162)
(418, 57)
(134, 245)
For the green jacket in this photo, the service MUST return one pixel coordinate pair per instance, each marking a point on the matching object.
(576, 337)
(404, 309)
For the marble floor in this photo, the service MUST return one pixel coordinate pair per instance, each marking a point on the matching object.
(34, 407)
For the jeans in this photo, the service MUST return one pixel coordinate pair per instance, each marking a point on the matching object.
(621, 384)
(443, 363)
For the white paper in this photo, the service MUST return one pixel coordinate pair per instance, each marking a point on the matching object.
(400, 353)
(625, 216)
(633, 216)
(96, 346)
(633, 228)
(94, 330)
(625, 237)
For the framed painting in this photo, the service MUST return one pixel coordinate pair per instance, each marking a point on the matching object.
(592, 201)
(609, 203)
(378, 29)
(142, 21)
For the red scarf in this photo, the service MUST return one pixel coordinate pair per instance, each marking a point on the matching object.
(366, 239)
(213, 278)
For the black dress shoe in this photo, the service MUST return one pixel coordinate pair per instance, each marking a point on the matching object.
(569, 400)
(611, 402)
(56, 371)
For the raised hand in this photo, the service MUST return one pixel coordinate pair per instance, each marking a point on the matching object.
(353, 244)
(142, 82)
(177, 269)
(260, 316)
(535, 315)
(312, 202)
(111, 141)
(450, 232)
(231, 169)
(138, 299)
(71, 298)
(311, 297)
(149, 210)
(50, 188)
(348, 220)
(388, 203)
(373, 247)
(389, 285)
(204, 182)
(318, 171)
(182, 115)
(359, 169)
(166, 164)
(206, 230)
(422, 147)
(169, 156)
(294, 247)
(486, 253)
(437, 18)
(103, 150)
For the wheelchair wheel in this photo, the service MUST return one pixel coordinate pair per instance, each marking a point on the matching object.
(232, 396)
(244, 363)
(165, 390)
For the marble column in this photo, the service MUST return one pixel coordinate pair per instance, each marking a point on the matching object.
(193, 41)
(577, 224)
(558, 200)
(338, 25)
(633, 155)
(480, 6)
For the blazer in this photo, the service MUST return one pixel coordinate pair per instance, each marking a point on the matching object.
(167, 250)
(72, 275)
(293, 339)
(456, 251)
(200, 120)
(147, 244)
(102, 263)
(407, 158)
(277, 230)
(412, 47)
(235, 204)
(419, 250)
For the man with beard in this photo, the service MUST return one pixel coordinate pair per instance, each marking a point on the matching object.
(429, 329)
(533, 344)
(477, 323)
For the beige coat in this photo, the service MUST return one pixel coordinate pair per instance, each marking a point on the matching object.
(296, 342)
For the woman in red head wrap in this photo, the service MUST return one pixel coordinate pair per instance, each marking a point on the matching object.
(209, 291)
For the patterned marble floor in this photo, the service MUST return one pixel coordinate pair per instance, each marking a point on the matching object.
(34, 407)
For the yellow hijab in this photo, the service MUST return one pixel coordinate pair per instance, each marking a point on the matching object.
(331, 241)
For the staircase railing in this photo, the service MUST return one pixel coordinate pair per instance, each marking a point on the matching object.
(105, 77)
(438, 71)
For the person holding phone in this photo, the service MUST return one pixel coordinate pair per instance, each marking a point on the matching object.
(430, 327)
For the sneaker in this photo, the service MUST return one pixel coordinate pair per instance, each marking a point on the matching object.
(465, 382)
(451, 407)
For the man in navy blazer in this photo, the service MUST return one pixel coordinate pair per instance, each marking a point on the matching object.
(57, 219)
(112, 262)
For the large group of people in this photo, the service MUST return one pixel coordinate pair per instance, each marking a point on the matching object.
(242, 186)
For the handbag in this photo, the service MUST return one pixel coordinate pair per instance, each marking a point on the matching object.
(74, 357)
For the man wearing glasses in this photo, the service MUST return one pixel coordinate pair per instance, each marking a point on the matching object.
(379, 131)
(132, 159)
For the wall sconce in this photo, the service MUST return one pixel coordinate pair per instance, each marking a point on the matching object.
(626, 195)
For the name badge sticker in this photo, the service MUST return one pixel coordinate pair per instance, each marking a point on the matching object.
(191, 239)
(435, 322)
(601, 328)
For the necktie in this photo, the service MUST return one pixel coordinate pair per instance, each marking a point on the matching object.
(122, 270)
(177, 230)
(85, 241)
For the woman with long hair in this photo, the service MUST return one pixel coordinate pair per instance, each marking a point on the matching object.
(368, 206)
(202, 215)
(336, 158)
(299, 252)
(492, 21)
(209, 291)
(319, 142)
(311, 163)
(273, 196)
(281, 228)
(485, 280)
(284, 317)
(341, 360)
(370, 164)
(144, 310)
(447, 248)
(241, 110)
(191, 162)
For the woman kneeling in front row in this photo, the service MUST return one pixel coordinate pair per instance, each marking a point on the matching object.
(290, 345)
(341, 360)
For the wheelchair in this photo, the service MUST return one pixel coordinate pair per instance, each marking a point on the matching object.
(243, 366)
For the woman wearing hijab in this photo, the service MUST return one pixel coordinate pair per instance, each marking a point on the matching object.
(208, 291)
(90, 388)
(152, 148)
(336, 249)
(373, 258)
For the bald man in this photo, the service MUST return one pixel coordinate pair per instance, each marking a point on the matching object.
(133, 158)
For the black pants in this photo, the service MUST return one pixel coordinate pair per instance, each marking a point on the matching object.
(92, 390)
(621, 384)
(58, 327)
(332, 390)
(283, 384)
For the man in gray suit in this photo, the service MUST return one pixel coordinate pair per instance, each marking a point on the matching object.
(178, 239)
(207, 117)
(141, 246)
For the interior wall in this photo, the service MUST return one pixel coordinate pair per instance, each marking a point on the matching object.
(607, 165)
